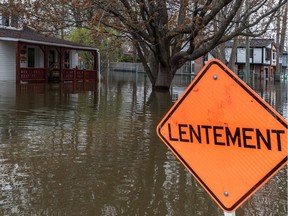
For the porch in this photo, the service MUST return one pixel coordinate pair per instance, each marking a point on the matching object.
(44, 63)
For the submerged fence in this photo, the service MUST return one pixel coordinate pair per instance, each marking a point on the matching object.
(138, 67)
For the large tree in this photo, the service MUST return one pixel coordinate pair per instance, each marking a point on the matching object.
(168, 33)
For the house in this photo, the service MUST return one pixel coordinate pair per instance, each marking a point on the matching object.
(26, 55)
(262, 58)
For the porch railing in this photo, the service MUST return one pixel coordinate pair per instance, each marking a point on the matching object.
(29, 74)
(40, 74)
(78, 74)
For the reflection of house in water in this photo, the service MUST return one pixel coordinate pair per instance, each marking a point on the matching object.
(57, 88)
(274, 93)
(7, 95)
(176, 93)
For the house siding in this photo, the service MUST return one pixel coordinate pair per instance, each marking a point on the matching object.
(241, 53)
(257, 55)
(7, 61)
(73, 58)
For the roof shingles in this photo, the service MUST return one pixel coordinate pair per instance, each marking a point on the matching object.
(28, 34)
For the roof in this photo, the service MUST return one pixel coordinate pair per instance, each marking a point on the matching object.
(253, 43)
(31, 36)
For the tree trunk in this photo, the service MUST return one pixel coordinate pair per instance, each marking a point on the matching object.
(221, 53)
(164, 77)
(232, 59)
(159, 71)
(280, 40)
(247, 50)
(278, 54)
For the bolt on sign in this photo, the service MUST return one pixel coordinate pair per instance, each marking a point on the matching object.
(227, 136)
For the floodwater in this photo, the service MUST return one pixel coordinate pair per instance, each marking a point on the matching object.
(92, 150)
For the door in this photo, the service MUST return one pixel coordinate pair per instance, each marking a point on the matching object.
(51, 57)
(31, 57)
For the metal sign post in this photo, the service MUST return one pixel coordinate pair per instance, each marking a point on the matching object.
(230, 214)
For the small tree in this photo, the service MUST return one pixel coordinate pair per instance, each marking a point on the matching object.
(109, 49)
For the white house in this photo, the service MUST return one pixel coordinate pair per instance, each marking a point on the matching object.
(262, 57)
(26, 55)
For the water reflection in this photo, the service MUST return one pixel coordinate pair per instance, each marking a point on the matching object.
(274, 94)
(91, 149)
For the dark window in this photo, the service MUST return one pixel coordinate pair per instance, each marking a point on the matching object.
(14, 21)
(51, 57)
(268, 53)
(274, 56)
(251, 52)
(5, 21)
(66, 60)
(31, 57)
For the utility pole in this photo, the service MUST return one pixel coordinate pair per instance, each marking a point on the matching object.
(247, 60)
(247, 43)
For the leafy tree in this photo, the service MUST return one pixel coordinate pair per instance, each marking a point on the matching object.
(68, 19)
(109, 49)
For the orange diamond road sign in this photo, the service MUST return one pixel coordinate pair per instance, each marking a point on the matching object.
(227, 136)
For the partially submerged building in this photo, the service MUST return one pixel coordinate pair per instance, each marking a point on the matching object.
(26, 55)
(262, 58)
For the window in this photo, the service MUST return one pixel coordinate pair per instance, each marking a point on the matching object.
(5, 21)
(268, 53)
(31, 57)
(51, 57)
(251, 53)
(14, 21)
(192, 67)
(66, 60)
(274, 56)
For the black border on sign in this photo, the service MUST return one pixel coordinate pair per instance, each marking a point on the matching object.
(260, 101)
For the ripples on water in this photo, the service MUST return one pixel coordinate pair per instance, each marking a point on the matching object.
(92, 150)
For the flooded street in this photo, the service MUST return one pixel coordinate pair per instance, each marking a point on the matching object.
(92, 149)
